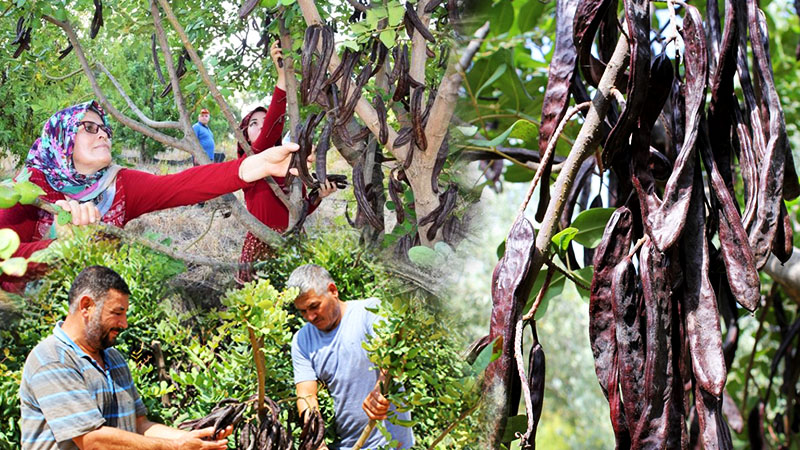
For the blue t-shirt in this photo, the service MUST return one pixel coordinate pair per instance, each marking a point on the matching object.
(338, 359)
(206, 138)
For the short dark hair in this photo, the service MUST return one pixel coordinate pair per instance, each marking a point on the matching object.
(96, 281)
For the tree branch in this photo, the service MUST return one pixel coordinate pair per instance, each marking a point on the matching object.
(295, 201)
(183, 115)
(125, 120)
(63, 77)
(447, 95)
(146, 120)
(223, 105)
(787, 274)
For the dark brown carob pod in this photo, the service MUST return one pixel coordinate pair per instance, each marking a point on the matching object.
(536, 379)
(512, 281)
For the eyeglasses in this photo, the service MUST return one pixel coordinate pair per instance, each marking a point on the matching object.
(94, 127)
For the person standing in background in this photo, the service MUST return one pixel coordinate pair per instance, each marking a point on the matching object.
(204, 134)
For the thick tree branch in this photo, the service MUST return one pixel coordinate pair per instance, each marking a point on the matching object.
(585, 144)
(183, 114)
(146, 120)
(447, 96)
(295, 203)
(122, 118)
(418, 45)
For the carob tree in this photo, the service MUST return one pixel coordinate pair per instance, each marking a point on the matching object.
(683, 246)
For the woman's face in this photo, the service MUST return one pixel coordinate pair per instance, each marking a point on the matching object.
(254, 125)
(91, 152)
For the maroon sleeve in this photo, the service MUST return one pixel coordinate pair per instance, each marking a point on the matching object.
(147, 192)
(273, 124)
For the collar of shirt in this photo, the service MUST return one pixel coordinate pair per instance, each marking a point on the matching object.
(202, 124)
(61, 335)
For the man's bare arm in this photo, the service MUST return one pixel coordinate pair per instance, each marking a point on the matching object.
(154, 437)
(306, 396)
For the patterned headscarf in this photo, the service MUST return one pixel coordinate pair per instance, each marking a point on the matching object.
(52, 154)
(243, 127)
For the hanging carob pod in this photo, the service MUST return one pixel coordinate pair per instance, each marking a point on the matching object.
(97, 19)
(613, 247)
(155, 59)
(417, 127)
(447, 203)
(299, 159)
(536, 379)
(361, 194)
(739, 261)
(413, 19)
(380, 109)
(315, 88)
(588, 16)
(310, 40)
(701, 317)
(656, 422)
(664, 219)
(438, 165)
(771, 170)
(512, 281)
(377, 56)
(395, 190)
(23, 38)
(557, 93)
(321, 153)
(637, 18)
(349, 106)
(180, 70)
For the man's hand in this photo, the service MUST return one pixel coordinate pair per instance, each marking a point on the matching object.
(276, 52)
(271, 162)
(200, 439)
(376, 405)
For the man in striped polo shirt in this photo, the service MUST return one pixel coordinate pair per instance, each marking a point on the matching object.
(77, 391)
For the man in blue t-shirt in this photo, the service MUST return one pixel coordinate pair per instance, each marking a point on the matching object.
(204, 134)
(329, 349)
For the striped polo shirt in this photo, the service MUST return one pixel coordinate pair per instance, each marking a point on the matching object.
(65, 394)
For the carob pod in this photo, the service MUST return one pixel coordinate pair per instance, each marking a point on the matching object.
(771, 170)
(318, 75)
(723, 102)
(416, 113)
(782, 246)
(63, 53)
(654, 425)
(664, 219)
(556, 95)
(625, 304)
(377, 56)
(349, 109)
(588, 16)
(512, 281)
(536, 378)
(97, 19)
(312, 35)
(360, 191)
(23, 38)
(431, 6)
(414, 20)
(637, 17)
(755, 427)
(438, 165)
(403, 137)
(380, 109)
(699, 308)
(155, 59)
(395, 189)
(313, 430)
(736, 252)
(322, 152)
(613, 247)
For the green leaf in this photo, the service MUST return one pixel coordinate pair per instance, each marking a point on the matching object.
(502, 17)
(529, 15)
(8, 197)
(501, 249)
(396, 12)
(518, 174)
(516, 424)
(497, 74)
(15, 266)
(423, 256)
(287, 2)
(28, 192)
(9, 243)
(388, 37)
(500, 138)
(64, 217)
(490, 353)
(351, 44)
(591, 224)
(563, 238)
(372, 18)
(467, 131)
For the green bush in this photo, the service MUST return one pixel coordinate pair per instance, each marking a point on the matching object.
(208, 355)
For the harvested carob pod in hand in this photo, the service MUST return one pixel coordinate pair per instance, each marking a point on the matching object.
(228, 412)
(270, 433)
(312, 435)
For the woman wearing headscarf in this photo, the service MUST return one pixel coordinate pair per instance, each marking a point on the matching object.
(262, 129)
(71, 162)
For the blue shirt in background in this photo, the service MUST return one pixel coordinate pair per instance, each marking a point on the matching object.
(338, 359)
(206, 138)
